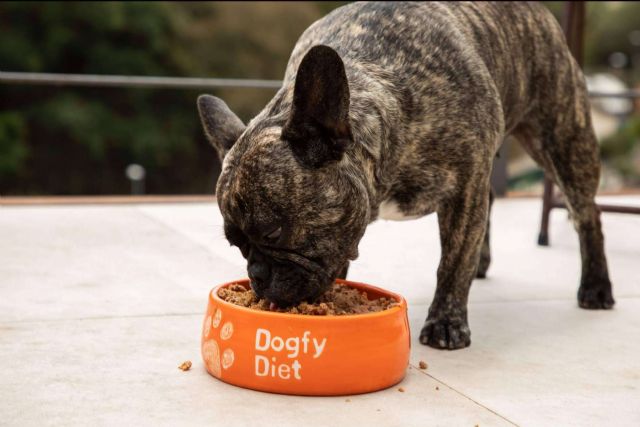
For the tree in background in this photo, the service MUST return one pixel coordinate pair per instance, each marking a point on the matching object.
(614, 27)
(79, 140)
(60, 140)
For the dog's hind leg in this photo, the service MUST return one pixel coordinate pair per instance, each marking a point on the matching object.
(485, 253)
(574, 154)
(561, 139)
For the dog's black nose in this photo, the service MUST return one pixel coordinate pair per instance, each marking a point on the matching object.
(258, 269)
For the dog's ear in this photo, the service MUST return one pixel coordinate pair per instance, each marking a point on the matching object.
(318, 129)
(221, 126)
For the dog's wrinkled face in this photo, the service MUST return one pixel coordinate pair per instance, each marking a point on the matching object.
(288, 201)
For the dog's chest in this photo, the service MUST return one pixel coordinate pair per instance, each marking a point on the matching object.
(416, 190)
(389, 209)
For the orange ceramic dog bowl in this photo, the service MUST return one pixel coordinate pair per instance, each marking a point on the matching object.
(306, 355)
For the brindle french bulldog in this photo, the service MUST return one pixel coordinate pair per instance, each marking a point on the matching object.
(397, 110)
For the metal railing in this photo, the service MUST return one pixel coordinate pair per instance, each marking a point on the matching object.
(94, 80)
(628, 94)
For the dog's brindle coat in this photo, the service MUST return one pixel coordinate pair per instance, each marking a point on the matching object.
(399, 109)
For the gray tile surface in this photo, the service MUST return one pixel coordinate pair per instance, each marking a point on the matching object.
(100, 304)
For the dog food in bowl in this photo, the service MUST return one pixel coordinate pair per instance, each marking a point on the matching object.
(339, 300)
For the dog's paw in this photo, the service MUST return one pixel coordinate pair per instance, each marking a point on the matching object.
(450, 334)
(596, 296)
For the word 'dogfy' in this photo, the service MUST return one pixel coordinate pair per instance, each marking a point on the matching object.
(291, 347)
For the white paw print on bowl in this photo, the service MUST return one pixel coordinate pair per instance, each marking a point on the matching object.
(212, 321)
(226, 331)
(211, 355)
(211, 350)
(207, 327)
(217, 318)
(227, 358)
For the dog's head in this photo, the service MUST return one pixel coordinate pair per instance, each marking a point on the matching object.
(290, 203)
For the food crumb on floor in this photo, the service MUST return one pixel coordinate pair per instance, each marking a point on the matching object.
(347, 400)
(437, 388)
(423, 364)
(185, 365)
(401, 390)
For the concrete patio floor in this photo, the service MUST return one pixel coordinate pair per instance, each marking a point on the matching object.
(100, 304)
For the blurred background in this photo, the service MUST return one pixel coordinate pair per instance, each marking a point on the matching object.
(63, 140)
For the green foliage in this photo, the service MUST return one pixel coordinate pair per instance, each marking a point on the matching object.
(79, 140)
(618, 150)
(62, 140)
(13, 151)
(607, 29)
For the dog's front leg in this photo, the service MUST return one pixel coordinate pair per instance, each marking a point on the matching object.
(462, 220)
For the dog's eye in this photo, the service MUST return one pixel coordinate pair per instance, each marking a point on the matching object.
(274, 235)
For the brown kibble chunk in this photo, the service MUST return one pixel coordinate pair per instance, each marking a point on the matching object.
(437, 388)
(423, 364)
(401, 390)
(185, 365)
(339, 300)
